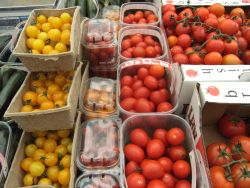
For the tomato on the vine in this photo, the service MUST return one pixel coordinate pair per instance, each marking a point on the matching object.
(218, 178)
(240, 175)
(240, 146)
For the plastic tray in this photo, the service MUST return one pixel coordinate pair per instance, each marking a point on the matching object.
(151, 122)
(136, 64)
(99, 147)
(144, 30)
(103, 72)
(133, 6)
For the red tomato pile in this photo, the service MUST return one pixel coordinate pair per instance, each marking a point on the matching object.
(230, 163)
(146, 90)
(208, 35)
(140, 17)
(141, 46)
(157, 161)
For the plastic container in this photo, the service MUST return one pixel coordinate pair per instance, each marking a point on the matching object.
(132, 7)
(103, 72)
(151, 122)
(129, 67)
(153, 31)
(99, 147)
(5, 135)
(103, 180)
(98, 98)
(99, 41)
(111, 12)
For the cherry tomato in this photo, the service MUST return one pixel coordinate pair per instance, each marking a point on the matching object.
(146, 13)
(182, 28)
(213, 58)
(150, 82)
(183, 184)
(242, 43)
(177, 153)
(156, 71)
(199, 34)
(181, 59)
(142, 105)
(149, 40)
(126, 44)
(168, 7)
(139, 137)
(202, 12)
(195, 59)
(157, 97)
(126, 92)
(142, 73)
(175, 136)
(169, 180)
(131, 167)
(215, 45)
(150, 52)
(155, 148)
(181, 169)
(169, 18)
(162, 83)
(141, 92)
(152, 169)
(137, 84)
(156, 184)
(176, 50)
(213, 22)
(135, 39)
(164, 107)
(166, 163)
(142, 44)
(186, 13)
(134, 153)
(126, 81)
(136, 180)
(229, 27)
(127, 54)
(128, 103)
(139, 52)
(166, 93)
(161, 134)
(127, 20)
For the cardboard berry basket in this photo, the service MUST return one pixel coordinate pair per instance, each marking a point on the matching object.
(126, 8)
(210, 101)
(16, 174)
(133, 66)
(154, 121)
(54, 62)
(52, 119)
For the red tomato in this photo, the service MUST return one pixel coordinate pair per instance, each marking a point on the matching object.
(213, 22)
(246, 57)
(152, 169)
(240, 147)
(168, 7)
(126, 92)
(128, 103)
(135, 39)
(127, 20)
(182, 28)
(150, 52)
(158, 50)
(142, 105)
(138, 15)
(218, 154)
(231, 126)
(218, 178)
(195, 59)
(177, 153)
(142, 73)
(127, 54)
(156, 184)
(184, 41)
(139, 52)
(231, 47)
(132, 17)
(164, 107)
(162, 83)
(150, 82)
(139, 137)
(135, 78)
(215, 45)
(181, 59)
(242, 43)
(183, 184)
(157, 71)
(202, 12)
(240, 174)
(155, 148)
(175, 136)
(126, 44)
(152, 18)
(161, 135)
(134, 153)
(141, 92)
(199, 34)
(126, 81)
(149, 40)
(169, 18)
(213, 58)
(169, 180)
(137, 84)
(210, 35)
(136, 180)
(229, 27)
(186, 13)
(166, 93)
(142, 44)
(146, 13)
(157, 97)
(176, 50)
(166, 163)
(181, 169)
(152, 106)
(131, 167)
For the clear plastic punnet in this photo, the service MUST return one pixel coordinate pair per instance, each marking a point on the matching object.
(132, 7)
(98, 97)
(109, 72)
(99, 147)
(96, 180)
(99, 41)
(153, 31)
(130, 68)
(151, 122)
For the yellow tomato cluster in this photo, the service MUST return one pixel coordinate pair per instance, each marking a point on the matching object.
(49, 35)
(47, 160)
(47, 91)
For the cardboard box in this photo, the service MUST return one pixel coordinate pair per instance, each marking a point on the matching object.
(55, 62)
(209, 102)
(16, 174)
(175, 2)
(186, 77)
(53, 119)
(223, 2)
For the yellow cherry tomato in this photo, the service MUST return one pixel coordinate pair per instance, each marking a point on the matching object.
(37, 168)
(43, 36)
(30, 97)
(39, 26)
(51, 159)
(65, 37)
(61, 47)
(46, 27)
(39, 154)
(65, 161)
(64, 177)
(35, 51)
(29, 42)
(59, 103)
(45, 181)
(41, 19)
(41, 98)
(26, 108)
(26, 162)
(41, 90)
(53, 135)
(58, 95)
(66, 26)
(30, 150)
(29, 180)
(63, 133)
(56, 22)
(54, 35)
(38, 45)
(46, 105)
(65, 141)
(41, 76)
(66, 17)
(60, 80)
(47, 49)
(32, 31)
(35, 84)
(50, 145)
(53, 88)
(69, 147)
(61, 150)
(52, 173)
(39, 141)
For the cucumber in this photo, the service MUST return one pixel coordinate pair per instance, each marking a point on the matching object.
(9, 90)
(4, 41)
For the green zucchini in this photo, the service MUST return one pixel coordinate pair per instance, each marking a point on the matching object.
(12, 58)
(9, 90)
(4, 41)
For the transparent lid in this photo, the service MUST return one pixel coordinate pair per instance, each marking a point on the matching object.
(97, 181)
(100, 96)
(99, 144)
(99, 32)
(111, 12)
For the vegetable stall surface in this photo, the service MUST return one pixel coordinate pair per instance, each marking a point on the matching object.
(208, 36)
